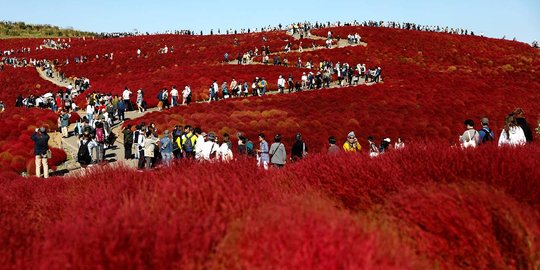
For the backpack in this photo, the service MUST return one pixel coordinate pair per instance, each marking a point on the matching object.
(188, 144)
(100, 135)
(249, 148)
(160, 96)
(488, 137)
(470, 141)
(83, 155)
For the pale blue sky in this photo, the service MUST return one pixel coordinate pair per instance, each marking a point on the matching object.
(495, 18)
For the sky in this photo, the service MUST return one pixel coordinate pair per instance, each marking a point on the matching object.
(494, 18)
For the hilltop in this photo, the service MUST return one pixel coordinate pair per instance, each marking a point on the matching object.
(24, 30)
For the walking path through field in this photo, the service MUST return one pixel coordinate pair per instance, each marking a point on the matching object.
(115, 155)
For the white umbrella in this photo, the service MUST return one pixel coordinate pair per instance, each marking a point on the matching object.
(48, 95)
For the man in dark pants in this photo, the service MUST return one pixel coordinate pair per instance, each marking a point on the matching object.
(41, 146)
(128, 142)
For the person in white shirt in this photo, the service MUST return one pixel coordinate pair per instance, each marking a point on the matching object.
(225, 148)
(174, 96)
(304, 80)
(512, 133)
(210, 149)
(90, 112)
(201, 137)
(126, 97)
(281, 84)
(232, 87)
(185, 94)
(470, 137)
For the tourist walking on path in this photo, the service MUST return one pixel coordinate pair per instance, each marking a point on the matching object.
(485, 134)
(299, 149)
(166, 148)
(519, 116)
(41, 150)
(64, 123)
(263, 156)
(512, 133)
(470, 137)
(278, 154)
(333, 149)
(128, 142)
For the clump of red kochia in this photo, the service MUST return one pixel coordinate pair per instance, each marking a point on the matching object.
(16, 147)
(22, 81)
(401, 210)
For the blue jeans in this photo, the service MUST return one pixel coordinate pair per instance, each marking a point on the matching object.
(166, 158)
(175, 101)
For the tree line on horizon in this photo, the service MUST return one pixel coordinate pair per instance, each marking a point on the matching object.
(20, 29)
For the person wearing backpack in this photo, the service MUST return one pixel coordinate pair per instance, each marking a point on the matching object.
(470, 137)
(188, 142)
(176, 137)
(485, 134)
(278, 154)
(128, 141)
(83, 155)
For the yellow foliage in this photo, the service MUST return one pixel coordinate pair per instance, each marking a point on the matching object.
(507, 68)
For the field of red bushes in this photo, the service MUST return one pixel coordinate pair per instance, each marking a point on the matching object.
(424, 207)
(430, 206)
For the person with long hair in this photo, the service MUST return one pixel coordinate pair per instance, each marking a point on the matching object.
(512, 133)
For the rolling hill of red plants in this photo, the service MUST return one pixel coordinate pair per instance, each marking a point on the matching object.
(428, 206)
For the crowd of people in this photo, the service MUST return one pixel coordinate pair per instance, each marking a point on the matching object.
(59, 44)
(346, 75)
(144, 144)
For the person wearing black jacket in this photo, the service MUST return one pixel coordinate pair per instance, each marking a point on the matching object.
(299, 148)
(41, 146)
(128, 142)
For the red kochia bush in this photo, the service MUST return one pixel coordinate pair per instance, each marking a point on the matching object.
(308, 233)
(394, 211)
